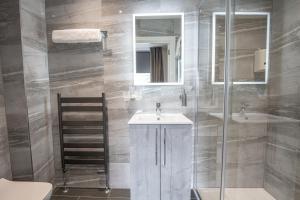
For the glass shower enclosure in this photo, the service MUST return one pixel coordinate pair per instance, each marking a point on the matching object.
(247, 137)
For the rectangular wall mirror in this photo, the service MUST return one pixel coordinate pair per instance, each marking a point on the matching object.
(158, 48)
(250, 52)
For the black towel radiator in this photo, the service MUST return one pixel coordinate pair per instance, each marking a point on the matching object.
(84, 153)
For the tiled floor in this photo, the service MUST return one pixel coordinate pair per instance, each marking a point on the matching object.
(236, 194)
(92, 194)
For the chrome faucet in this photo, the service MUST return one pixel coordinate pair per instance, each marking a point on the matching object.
(158, 110)
(244, 106)
(183, 98)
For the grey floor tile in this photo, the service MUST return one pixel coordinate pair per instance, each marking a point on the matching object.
(120, 198)
(77, 192)
(120, 193)
(64, 198)
(94, 194)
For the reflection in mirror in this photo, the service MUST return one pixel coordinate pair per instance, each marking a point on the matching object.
(250, 54)
(158, 49)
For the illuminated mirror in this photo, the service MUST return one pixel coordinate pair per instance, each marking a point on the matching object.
(158, 49)
(250, 49)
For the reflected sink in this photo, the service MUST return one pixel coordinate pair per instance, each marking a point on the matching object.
(256, 118)
(165, 118)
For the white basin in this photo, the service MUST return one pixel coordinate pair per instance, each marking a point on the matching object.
(165, 118)
(257, 118)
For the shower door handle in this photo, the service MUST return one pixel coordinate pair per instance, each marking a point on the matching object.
(156, 146)
(165, 146)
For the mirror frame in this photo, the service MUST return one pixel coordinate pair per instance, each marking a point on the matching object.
(213, 80)
(181, 82)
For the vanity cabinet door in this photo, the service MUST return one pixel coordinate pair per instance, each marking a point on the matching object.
(145, 162)
(176, 162)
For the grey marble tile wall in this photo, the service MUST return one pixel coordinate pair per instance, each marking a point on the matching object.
(74, 70)
(246, 142)
(282, 178)
(85, 70)
(5, 167)
(23, 53)
(14, 93)
(36, 83)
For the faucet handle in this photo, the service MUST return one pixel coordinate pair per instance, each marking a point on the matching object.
(158, 105)
(244, 105)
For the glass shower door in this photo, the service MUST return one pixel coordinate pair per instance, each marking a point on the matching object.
(210, 107)
(261, 140)
(248, 123)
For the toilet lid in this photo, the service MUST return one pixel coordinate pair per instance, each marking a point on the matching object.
(16, 190)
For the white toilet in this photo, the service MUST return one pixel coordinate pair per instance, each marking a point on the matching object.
(16, 190)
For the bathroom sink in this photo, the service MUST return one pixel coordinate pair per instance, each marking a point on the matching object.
(257, 118)
(165, 118)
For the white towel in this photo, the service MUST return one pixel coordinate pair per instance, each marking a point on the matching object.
(260, 60)
(76, 36)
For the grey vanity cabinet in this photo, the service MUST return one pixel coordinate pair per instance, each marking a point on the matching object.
(161, 162)
(176, 158)
(145, 162)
